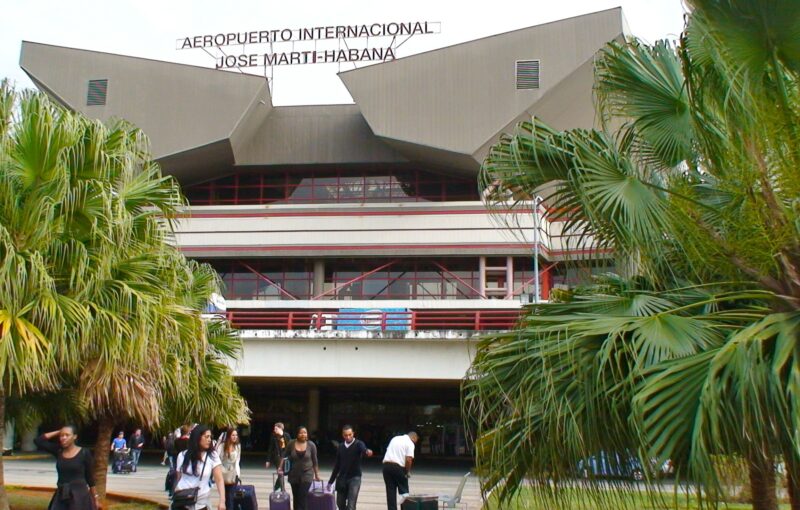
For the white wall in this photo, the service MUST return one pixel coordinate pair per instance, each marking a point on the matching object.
(418, 228)
(445, 358)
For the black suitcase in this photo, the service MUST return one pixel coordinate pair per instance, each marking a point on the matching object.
(244, 498)
(421, 502)
(169, 482)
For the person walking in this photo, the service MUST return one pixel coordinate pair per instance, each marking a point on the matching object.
(168, 443)
(119, 443)
(181, 442)
(136, 443)
(198, 466)
(276, 451)
(75, 467)
(229, 452)
(397, 467)
(304, 467)
(347, 469)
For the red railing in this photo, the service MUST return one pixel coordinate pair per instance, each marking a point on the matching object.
(375, 320)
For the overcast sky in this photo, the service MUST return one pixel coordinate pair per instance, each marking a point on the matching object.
(149, 28)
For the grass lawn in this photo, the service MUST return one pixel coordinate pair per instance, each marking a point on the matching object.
(26, 499)
(524, 502)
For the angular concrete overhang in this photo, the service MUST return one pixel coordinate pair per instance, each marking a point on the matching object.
(324, 134)
(443, 109)
(196, 118)
(447, 106)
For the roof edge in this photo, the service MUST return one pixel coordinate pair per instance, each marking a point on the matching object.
(246, 75)
(618, 8)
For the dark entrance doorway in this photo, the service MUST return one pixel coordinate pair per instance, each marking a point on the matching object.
(377, 411)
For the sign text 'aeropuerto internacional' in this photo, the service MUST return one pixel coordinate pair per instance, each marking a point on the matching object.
(308, 56)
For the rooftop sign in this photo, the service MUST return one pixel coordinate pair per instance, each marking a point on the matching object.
(312, 55)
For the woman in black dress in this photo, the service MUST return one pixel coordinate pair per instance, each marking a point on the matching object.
(74, 465)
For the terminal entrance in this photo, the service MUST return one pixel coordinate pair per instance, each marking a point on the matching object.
(377, 411)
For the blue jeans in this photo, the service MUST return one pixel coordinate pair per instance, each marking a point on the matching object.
(347, 493)
(136, 453)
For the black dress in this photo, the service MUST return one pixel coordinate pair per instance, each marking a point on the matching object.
(75, 476)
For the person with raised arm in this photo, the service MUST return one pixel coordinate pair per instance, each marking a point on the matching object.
(75, 467)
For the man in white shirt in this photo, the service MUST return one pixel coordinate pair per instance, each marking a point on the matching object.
(397, 467)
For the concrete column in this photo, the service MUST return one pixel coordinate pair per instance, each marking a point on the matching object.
(8, 439)
(313, 410)
(319, 278)
(482, 275)
(28, 435)
(509, 277)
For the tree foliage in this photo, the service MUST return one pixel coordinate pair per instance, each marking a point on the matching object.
(96, 299)
(693, 175)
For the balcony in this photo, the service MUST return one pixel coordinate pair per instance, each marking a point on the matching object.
(375, 320)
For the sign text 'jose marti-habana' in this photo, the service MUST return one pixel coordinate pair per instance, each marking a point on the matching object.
(311, 55)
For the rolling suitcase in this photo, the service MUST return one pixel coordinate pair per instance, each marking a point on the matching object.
(421, 502)
(244, 497)
(319, 498)
(280, 500)
(169, 481)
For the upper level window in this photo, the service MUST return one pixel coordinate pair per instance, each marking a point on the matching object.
(321, 186)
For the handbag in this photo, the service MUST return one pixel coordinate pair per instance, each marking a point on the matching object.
(229, 474)
(187, 498)
(228, 469)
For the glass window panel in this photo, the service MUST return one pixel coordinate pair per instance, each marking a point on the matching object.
(303, 192)
(351, 189)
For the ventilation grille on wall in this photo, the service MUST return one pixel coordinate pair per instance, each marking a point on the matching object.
(527, 74)
(96, 96)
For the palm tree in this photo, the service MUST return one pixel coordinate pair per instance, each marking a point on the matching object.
(144, 297)
(95, 297)
(38, 326)
(693, 176)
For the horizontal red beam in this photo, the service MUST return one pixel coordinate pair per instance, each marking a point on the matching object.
(414, 320)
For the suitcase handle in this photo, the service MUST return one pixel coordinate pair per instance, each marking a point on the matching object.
(318, 486)
(280, 477)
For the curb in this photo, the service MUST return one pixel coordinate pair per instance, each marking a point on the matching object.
(116, 495)
(35, 456)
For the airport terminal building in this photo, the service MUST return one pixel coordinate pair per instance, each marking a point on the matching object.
(359, 261)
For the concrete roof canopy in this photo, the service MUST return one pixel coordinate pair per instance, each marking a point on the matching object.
(443, 108)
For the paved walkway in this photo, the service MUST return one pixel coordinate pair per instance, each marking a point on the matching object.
(148, 482)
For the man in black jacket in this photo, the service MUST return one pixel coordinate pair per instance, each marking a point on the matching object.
(136, 444)
(347, 470)
(278, 442)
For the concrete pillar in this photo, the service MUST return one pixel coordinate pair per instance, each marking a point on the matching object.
(28, 435)
(319, 278)
(509, 277)
(482, 276)
(8, 439)
(313, 410)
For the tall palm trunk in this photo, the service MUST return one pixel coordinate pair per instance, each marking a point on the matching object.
(792, 482)
(762, 482)
(101, 449)
(3, 494)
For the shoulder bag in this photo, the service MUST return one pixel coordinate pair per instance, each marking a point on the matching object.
(228, 467)
(187, 498)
